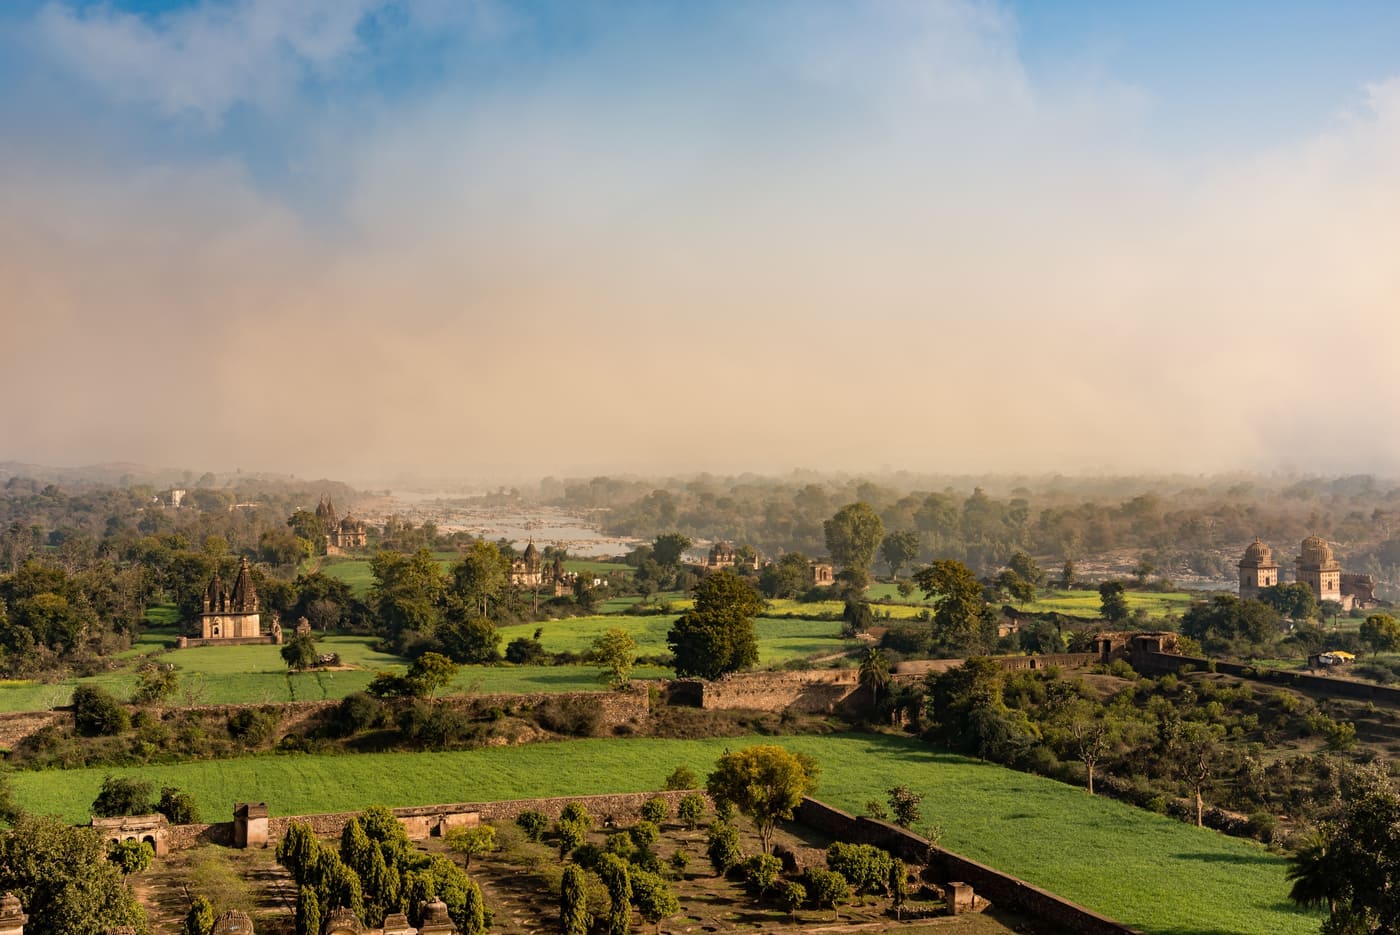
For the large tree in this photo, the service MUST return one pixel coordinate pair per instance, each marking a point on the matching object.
(481, 577)
(957, 598)
(900, 549)
(407, 591)
(62, 877)
(853, 535)
(668, 548)
(716, 635)
(1112, 602)
(1381, 632)
(763, 782)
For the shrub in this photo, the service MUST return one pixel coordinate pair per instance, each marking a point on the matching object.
(619, 845)
(253, 726)
(656, 810)
(358, 711)
(570, 834)
(122, 797)
(577, 811)
(680, 860)
(682, 777)
(761, 872)
(653, 897)
(792, 895)
(723, 847)
(644, 834)
(471, 842)
(533, 823)
(97, 712)
(904, 802)
(691, 809)
(826, 888)
(177, 806)
(573, 903)
(864, 866)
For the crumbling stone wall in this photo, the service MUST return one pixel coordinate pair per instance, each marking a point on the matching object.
(813, 691)
(16, 726)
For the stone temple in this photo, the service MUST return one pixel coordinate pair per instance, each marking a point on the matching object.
(1315, 566)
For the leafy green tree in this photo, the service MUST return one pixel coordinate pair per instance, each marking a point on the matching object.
(853, 535)
(864, 866)
(765, 783)
(121, 796)
(307, 525)
(407, 591)
(62, 878)
(1381, 632)
(898, 887)
(655, 810)
(761, 872)
(653, 897)
(904, 804)
(466, 638)
(471, 842)
(481, 577)
(573, 902)
(97, 712)
(131, 856)
(299, 653)
(616, 653)
(616, 877)
(690, 809)
(958, 604)
(533, 823)
(1068, 578)
(430, 673)
(1113, 605)
(682, 777)
(200, 919)
(668, 548)
(1021, 590)
(789, 576)
(177, 806)
(826, 888)
(1294, 600)
(899, 549)
(570, 834)
(722, 847)
(155, 682)
(716, 635)
(792, 895)
(308, 916)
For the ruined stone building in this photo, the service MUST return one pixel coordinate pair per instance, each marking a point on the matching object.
(527, 570)
(1315, 566)
(723, 555)
(341, 534)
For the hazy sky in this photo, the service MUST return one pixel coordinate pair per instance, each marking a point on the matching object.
(360, 237)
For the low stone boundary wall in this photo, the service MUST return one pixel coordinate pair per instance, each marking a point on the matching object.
(812, 691)
(17, 725)
(1158, 663)
(1001, 888)
(424, 821)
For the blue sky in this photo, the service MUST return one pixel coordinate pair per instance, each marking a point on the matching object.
(1124, 212)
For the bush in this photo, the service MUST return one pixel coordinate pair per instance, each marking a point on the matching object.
(644, 834)
(131, 856)
(723, 847)
(691, 809)
(682, 777)
(792, 895)
(177, 806)
(358, 711)
(533, 823)
(761, 872)
(524, 651)
(656, 810)
(577, 717)
(680, 860)
(122, 797)
(577, 811)
(98, 713)
(253, 726)
(864, 866)
(826, 888)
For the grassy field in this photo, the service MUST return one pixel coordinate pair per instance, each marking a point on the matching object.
(778, 640)
(1157, 874)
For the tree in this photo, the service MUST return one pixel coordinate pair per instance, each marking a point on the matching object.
(864, 866)
(131, 856)
(616, 877)
(656, 809)
(722, 847)
(1067, 575)
(690, 809)
(716, 636)
(177, 806)
(898, 887)
(431, 672)
(1090, 745)
(874, 674)
(653, 897)
(299, 653)
(308, 917)
(407, 591)
(155, 682)
(200, 919)
(1026, 568)
(1294, 600)
(827, 888)
(899, 549)
(1196, 756)
(573, 902)
(668, 548)
(1381, 632)
(1112, 604)
(616, 652)
(97, 712)
(61, 876)
(467, 638)
(904, 804)
(120, 796)
(789, 576)
(471, 842)
(682, 777)
(763, 782)
(957, 598)
(570, 833)
(853, 535)
(1019, 588)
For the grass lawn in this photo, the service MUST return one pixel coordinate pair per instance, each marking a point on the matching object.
(1149, 871)
(778, 640)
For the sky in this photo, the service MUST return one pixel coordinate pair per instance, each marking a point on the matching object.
(485, 239)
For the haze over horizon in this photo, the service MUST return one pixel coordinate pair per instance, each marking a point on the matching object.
(364, 238)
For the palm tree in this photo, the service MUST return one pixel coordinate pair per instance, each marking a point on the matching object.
(1315, 874)
(874, 674)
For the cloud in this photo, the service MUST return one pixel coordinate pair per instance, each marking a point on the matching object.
(788, 233)
(206, 58)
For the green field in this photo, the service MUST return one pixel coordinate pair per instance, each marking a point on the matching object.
(778, 640)
(1146, 870)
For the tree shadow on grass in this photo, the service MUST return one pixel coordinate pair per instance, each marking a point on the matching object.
(1229, 858)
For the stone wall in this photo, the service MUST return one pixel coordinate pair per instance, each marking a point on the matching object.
(424, 821)
(1159, 663)
(812, 691)
(16, 726)
(1001, 888)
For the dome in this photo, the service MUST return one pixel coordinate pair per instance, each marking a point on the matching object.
(1316, 552)
(1258, 554)
(530, 551)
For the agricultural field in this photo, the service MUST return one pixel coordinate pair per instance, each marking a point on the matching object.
(1152, 872)
(778, 640)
